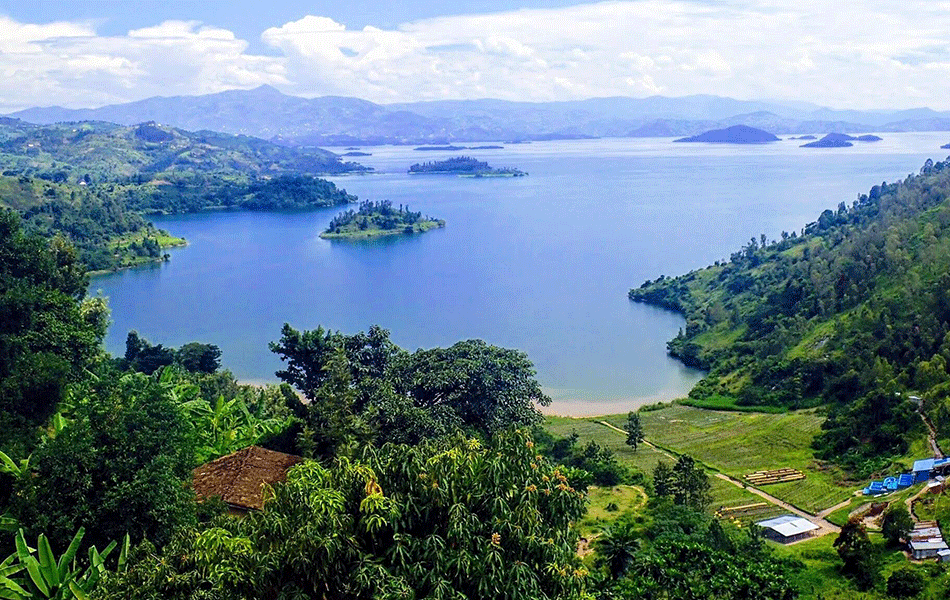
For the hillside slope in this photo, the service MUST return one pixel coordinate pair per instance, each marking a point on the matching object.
(853, 313)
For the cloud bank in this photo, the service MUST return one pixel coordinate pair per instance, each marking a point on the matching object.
(859, 55)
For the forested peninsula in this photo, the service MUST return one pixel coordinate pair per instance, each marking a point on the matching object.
(853, 312)
(92, 182)
(378, 219)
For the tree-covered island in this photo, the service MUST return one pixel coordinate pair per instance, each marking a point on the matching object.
(463, 166)
(376, 219)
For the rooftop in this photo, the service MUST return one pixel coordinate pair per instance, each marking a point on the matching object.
(238, 478)
(788, 525)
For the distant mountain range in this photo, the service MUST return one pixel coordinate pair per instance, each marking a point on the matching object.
(267, 113)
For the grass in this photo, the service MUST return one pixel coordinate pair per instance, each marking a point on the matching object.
(644, 458)
(355, 233)
(735, 443)
(627, 498)
(718, 402)
(822, 579)
(738, 443)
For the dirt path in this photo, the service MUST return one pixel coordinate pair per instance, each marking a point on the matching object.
(931, 433)
(832, 509)
(825, 526)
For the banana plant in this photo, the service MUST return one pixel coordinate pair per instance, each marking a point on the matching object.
(36, 573)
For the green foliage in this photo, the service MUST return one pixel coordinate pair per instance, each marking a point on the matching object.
(602, 465)
(103, 152)
(119, 467)
(144, 357)
(228, 426)
(906, 582)
(856, 307)
(47, 335)
(42, 576)
(686, 483)
(896, 524)
(634, 430)
(680, 553)
(857, 553)
(393, 395)
(378, 218)
(444, 519)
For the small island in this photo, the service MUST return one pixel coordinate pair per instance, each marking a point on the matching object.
(737, 134)
(841, 140)
(438, 148)
(356, 153)
(377, 219)
(945, 147)
(463, 166)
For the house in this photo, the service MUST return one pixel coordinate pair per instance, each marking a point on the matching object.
(926, 541)
(943, 556)
(239, 478)
(927, 548)
(787, 528)
(930, 467)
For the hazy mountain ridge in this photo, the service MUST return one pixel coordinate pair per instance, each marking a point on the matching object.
(330, 120)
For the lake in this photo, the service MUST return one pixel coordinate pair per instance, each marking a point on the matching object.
(540, 263)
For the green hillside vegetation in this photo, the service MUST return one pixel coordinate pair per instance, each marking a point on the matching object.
(91, 182)
(376, 219)
(852, 314)
(106, 234)
(96, 152)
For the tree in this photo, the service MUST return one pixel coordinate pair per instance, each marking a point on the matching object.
(857, 553)
(617, 546)
(199, 358)
(691, 485)
(449, 518)
(48, 334)
(896, 524)
(119, 467)
(662, 480)
(906, 582)
(634, 430)
(410, 396)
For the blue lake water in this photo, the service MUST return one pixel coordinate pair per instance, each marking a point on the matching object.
(540, 263)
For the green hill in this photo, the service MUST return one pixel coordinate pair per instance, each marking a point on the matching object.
(100, 152)
(853, 313)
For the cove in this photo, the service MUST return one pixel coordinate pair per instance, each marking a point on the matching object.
(539, 263)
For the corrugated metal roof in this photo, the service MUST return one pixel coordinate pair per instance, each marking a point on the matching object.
(933, 544)
(925, 464)
(788, 525)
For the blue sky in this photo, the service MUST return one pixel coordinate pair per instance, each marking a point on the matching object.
(862, 54)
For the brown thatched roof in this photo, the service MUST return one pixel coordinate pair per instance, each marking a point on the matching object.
(238, 478)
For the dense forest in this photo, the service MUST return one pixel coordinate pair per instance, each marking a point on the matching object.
(421, 474)
(374, 219)
(852, 312)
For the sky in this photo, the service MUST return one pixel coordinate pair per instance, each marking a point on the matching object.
(863, 54)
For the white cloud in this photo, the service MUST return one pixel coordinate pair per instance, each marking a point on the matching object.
(68, 64)
(874, 53)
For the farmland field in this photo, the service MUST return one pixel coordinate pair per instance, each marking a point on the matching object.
(735, 443)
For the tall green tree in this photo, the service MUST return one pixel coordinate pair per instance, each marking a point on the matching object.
(691, 485)
(412, 396)
(896, 524)
(48, 334)
(857, 553)
(121, 466)
(634, 430)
